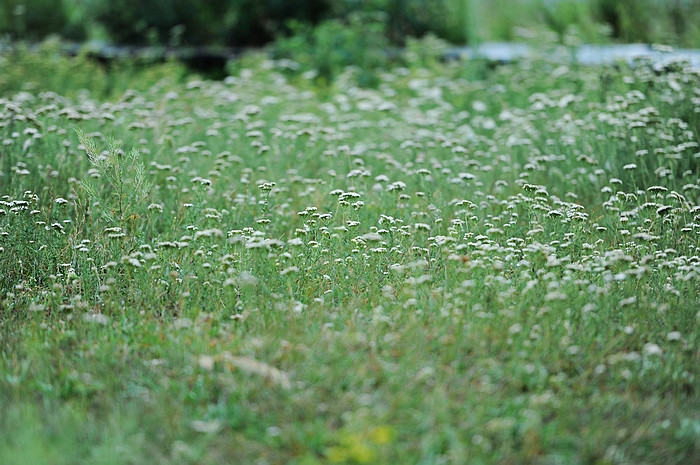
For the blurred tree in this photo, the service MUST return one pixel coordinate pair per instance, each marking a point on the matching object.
(192, 22)
(668, 21)
(164, 22)
(256, 22)
(37, 19)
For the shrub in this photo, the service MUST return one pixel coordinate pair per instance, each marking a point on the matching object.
(668, 21)
(336, 44)
(413, 18)
(562, 15)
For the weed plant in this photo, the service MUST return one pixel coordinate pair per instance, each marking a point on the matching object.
(452, 267)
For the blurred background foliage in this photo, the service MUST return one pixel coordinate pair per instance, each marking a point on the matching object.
(234, 23)
(318, 38)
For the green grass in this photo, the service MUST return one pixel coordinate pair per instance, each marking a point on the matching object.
(462, 265)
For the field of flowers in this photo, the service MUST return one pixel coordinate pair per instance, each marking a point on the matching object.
(461, 265)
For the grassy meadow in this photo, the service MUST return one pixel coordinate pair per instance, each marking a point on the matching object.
(462, 265)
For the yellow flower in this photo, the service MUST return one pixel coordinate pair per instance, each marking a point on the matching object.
(337, 454)
(381, 434)
(360, 452)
